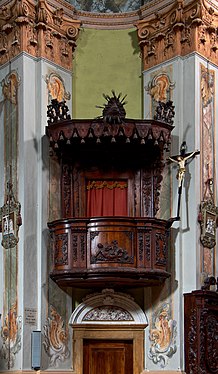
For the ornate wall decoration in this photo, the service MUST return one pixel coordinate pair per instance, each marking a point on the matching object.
(55, 338)
(114, 6)
(108, 313)
(208, 209)
(175, 31)
(11, 336)
(109, 307)
(207, 124)
(10, 217)
(10, 86)
(162, 336)
(56, 87)
(160, 87)
(42, 30)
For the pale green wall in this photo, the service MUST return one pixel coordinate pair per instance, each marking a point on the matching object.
(106, 60)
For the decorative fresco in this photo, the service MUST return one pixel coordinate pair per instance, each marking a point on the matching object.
(56, 88)
(208, 168)
(10, 220)
(160, 89)
(55, 338)
(163, 334)
(105, 6)
(11, 336)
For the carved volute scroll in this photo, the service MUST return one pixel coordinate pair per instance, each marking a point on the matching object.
(177, 30)
(41, 30)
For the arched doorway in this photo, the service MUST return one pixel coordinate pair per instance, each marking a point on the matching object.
(108, 334)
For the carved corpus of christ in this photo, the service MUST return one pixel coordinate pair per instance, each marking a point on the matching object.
(181, 161)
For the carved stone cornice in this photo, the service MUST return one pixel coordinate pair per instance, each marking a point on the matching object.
(178, 30)
(41, 30)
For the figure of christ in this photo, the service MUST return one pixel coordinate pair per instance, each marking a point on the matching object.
(181, 161)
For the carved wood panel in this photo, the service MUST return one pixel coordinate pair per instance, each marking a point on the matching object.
(201, 332)
(112, 246)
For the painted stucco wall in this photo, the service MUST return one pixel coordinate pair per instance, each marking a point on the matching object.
(106, 60)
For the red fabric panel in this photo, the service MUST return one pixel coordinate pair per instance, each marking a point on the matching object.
(107, 201)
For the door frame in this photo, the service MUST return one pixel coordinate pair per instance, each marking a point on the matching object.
(108, 315)
(107, 332)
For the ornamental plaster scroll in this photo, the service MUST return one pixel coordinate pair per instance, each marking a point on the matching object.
(179, 29)
(108, 307)
(162, 336)
(56, 87)
(46, 30)
(160, 87)
(11, 336)
(55, 339)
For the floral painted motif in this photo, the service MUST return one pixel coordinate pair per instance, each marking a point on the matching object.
(159, 88)
(162, 336)
(11, 335)
(55, 338)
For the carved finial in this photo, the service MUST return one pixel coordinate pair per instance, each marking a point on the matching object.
(57, 111)
(113, 110)
(165, 112)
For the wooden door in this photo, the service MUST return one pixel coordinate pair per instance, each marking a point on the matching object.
(107, 357)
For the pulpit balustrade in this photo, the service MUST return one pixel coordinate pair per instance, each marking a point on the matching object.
(109, 250)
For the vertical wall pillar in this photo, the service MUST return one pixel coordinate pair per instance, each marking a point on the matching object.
(38, 43)
(179, 62)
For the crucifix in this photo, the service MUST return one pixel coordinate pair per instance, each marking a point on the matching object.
(181, 161)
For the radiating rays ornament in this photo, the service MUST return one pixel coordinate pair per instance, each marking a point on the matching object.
(10, 219)
(113, 111)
